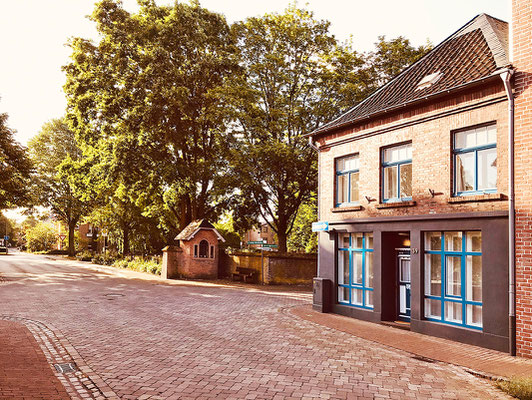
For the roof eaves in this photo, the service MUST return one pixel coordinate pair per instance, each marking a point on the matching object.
(414, 101)
(467, 27)
(324, 127)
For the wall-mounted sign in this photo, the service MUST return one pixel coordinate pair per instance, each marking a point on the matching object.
(322, 226)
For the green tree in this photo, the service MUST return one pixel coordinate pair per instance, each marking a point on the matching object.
(9, 227)
(225, 226)
(390, 57)
(295, 77)
(40, 237)
(145, 102)
(15, 169)
(301, 238)
(52, 150)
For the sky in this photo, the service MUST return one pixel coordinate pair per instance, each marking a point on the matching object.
(34, 33)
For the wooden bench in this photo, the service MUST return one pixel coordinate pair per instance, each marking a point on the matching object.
(245, 274)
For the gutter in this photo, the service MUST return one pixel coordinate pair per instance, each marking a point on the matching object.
(313, 146)
(506, 76)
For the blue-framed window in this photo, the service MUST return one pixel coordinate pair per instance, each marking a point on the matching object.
(355, 269)
(453, 278)
(347, 174)
(397, 173)
(475, 161)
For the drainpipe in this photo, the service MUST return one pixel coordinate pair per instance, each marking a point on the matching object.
(312, 145)
(506, 76)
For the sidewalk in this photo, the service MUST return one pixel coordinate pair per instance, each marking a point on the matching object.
(485, 362)
(24, 371)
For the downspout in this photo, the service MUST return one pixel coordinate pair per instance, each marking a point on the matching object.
(506, 76)
(312, 145)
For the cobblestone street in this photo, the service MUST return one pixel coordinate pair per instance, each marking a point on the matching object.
(146, 339)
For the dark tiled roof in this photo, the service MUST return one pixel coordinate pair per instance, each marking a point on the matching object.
(472, 53)
(193, 227)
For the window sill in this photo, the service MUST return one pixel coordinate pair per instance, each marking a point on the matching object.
(477, 198)
(346, 209)
(398, 204)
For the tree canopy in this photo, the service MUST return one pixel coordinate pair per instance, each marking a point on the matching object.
(53, 150)
(180, 116)
(295, 76)
(15, 169)
(145, 103)
(391, 57)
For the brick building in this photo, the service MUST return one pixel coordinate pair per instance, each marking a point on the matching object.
(196, 255)
(522, 63)
(415, 184)
(262, 232)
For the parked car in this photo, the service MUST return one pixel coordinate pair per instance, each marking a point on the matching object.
(3, 249)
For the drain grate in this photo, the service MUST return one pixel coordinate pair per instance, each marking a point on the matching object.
(425, 359)
(65, 368)
(111, 296)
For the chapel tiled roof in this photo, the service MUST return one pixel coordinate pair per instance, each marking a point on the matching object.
(472, 53)
(193, 227)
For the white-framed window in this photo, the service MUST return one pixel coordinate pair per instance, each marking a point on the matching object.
(475, 161)
(453, 277)
(347, 177)
(397, 173)
(355, 269)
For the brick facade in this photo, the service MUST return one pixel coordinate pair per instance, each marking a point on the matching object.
(522, 62)
(429, 125)
(430, 133)
(191, 266)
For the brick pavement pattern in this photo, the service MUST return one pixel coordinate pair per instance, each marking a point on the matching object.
(482, 361)
(147, 339)
(24, 369)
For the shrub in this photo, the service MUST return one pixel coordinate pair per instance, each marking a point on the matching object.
(520, 388)
(84, 256)
(41, 237)
(121, 263)
(105, 259)
(152, 266)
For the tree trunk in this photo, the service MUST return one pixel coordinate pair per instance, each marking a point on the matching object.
(126, 250)
(71, 238)
(281, 235)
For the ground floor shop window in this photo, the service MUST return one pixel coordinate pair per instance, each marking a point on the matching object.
(453, 278)
(355, 269)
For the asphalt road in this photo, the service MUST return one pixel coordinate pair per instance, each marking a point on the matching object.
(147, 339)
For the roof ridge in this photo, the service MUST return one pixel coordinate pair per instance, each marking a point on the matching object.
(483, 22)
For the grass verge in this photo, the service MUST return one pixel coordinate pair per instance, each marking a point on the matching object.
(520, 388)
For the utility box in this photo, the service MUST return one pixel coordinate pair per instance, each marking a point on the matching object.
(322, 295)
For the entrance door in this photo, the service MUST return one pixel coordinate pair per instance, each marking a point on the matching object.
(403, 262)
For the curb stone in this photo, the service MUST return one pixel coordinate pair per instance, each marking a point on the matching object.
(81, 384)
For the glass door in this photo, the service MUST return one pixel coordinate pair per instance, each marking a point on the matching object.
(403, 262)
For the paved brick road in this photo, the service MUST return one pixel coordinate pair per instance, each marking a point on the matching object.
(143, 339)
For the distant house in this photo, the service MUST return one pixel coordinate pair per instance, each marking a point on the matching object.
(89, 238)
(416, 187)
(262, 232)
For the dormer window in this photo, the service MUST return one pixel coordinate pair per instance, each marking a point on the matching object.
(429, 80)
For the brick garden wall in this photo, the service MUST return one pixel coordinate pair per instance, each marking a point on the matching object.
(431, 155)
(522, 23)
(279, 268)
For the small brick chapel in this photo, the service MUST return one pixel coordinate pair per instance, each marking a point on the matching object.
(195, 255)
